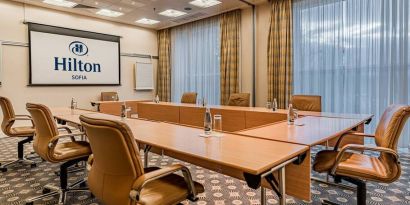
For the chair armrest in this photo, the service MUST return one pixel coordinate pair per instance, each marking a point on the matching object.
(356, 147)
(350, 133)
(28, 116)
(157, 174)
(68, 129)
(55, 139)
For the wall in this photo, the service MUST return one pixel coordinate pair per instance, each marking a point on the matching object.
(262, 32)
(15, 66)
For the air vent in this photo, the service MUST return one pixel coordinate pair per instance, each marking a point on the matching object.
(82, 6)
(188, 18)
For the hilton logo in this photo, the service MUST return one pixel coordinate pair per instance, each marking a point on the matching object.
(72, 64)
(78, 48)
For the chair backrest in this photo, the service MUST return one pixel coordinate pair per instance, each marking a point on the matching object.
(116, 159)
(46, 128)
(387, 135)
(391, 125)
(8, 113)
(307, 102)
(189, 97)
(239, 99)
(109, 96)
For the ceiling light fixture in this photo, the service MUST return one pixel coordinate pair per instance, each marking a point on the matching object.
(62, 3)
(204, 3)
(172, 13)
(109, 13)
(147, 21)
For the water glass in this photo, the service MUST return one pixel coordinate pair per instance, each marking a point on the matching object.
(218, 123)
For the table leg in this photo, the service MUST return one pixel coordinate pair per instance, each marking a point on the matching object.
(263, 196)
(282, 186)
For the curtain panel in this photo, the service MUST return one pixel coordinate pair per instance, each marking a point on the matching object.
(280, 52)
(230, 25)
(355, 54)
(164, 65)
(195, 63)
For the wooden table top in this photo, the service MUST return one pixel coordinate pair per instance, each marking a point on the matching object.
(68, 111)
(314, 131)
(265, 110)
(251, 155)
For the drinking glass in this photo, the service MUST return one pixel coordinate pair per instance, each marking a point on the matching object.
(268, 105)
(218, 124)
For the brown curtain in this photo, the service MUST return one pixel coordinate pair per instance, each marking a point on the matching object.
(230, 38)
(280, 53)
(164, 65)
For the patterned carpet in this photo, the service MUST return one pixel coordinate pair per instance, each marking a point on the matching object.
(21, 182)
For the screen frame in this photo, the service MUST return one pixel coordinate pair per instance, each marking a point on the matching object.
(36, 27)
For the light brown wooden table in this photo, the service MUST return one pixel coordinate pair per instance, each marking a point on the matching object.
(251, 159)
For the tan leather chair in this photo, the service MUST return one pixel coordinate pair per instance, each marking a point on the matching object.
(116, 158)
(356, 167)
(239, 99)
(307, 102)
(189, 97)
(109, 96)
(26, 133)
(48, 145)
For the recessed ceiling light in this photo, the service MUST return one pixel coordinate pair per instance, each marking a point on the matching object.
(62, 3)
(147, 21)
(204, 3)
(172, 13)
(109, 13)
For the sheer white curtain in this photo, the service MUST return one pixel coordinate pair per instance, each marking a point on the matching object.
(354, 53)
(195, 60)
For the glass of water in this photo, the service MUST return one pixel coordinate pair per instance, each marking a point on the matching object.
(218, 125)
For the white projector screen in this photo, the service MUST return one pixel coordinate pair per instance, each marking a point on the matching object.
(60, 56)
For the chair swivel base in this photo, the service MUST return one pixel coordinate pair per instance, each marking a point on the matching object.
(51, 190)
(3, 167)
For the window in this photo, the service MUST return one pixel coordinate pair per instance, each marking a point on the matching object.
(354, 53)
(195, 60)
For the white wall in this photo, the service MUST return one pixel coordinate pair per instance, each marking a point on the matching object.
(15, 66)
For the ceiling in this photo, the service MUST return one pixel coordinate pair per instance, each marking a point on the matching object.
(137, 9)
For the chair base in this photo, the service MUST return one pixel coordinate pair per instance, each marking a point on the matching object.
(3, 167)
(361, 189)
(51, 190)
(20, 154)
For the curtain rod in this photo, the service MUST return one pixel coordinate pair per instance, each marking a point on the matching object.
(132, 55)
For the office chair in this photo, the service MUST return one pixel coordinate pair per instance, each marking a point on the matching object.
(239, 99)
(355, 167)
(109, 96)
(189, 97)
(26, 133)
(48, 146)
(307, 102)
(116, 157)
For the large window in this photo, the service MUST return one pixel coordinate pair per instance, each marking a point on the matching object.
(354, 53)
(195, 60)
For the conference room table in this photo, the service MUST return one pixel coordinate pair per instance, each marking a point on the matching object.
(259, 162)
(274, 155)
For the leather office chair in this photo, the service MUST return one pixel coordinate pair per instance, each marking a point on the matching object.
(117, 159)
(189, 97)
(109, 96)
(355, 167)
(307, 102)
(239, 99)
(26, 133)
(48, 146)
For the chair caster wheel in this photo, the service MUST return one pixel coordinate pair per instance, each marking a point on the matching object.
(46, 191)
(33, 165)
(3, 169)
